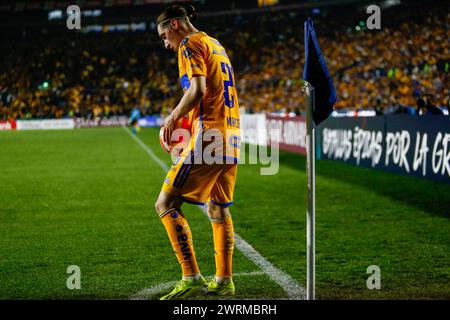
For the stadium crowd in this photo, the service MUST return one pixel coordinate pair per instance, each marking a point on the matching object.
(387, 70)
(400, 68)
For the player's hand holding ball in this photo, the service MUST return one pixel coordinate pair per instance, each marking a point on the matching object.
(174, 134)
(169, 126)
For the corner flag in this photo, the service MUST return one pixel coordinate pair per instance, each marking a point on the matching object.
(320, 98)
(317, 75)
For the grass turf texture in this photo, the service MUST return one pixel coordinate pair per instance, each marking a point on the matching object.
(85, 197)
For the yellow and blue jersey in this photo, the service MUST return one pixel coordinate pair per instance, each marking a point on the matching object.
(202, 55)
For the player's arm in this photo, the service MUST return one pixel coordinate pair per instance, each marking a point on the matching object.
(190, 99)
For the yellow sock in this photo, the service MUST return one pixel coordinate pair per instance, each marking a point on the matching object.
(223, 233)
(180, 237)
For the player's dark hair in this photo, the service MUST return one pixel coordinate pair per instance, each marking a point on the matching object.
(176, 12)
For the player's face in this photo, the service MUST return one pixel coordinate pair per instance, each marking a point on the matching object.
(170, 36)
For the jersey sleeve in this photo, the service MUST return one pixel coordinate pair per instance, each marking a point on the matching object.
(193, 53)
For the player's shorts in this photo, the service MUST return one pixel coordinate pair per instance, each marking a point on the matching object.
(201, 183)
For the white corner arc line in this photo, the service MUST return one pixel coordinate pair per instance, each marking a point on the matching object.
(150, 293)
(293, 290)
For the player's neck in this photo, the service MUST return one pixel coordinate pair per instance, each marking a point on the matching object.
(189, 32)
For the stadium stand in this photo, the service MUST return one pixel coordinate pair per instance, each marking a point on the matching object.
(103, 74)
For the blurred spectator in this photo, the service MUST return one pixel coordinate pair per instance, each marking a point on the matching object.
(431, 108)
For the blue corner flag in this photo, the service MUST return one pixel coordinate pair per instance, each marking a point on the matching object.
(317, 74)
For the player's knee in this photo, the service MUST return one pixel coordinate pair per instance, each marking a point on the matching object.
(160, 206)
(157, 207)
(217, 212)
(166, 202)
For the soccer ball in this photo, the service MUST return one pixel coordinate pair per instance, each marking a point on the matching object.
(180, 136)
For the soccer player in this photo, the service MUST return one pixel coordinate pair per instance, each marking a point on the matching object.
(133, 121)
(210, 100)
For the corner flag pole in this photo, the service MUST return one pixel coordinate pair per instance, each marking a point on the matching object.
(311, 174)
(320, 98)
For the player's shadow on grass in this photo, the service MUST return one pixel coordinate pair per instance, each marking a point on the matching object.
(427, 195)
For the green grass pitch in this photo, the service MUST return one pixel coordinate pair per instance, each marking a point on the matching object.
(86, 197)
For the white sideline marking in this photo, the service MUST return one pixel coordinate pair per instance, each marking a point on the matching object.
(151, 292)
(147, 149)
(293, 290)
